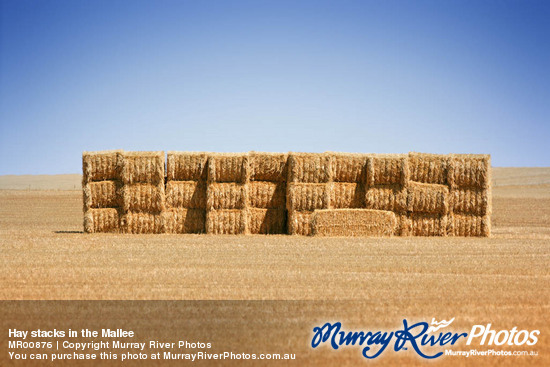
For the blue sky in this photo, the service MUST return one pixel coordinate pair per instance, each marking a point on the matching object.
(355, 76)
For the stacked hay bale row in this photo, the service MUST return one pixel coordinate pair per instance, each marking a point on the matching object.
(309, 189)
(470, 195)
(267, 193)
(428, 195)
(387, 184)
(348, 214)
(227, 194)
(143, 197)
(101, 186)
(186, 192)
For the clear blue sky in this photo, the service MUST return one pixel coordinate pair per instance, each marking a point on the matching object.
(356, 76)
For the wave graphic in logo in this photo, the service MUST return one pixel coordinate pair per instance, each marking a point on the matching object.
(439, 325)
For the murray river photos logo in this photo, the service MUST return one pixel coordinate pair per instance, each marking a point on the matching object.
(418, 337)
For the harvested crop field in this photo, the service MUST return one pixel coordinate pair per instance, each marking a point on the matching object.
(372, 282)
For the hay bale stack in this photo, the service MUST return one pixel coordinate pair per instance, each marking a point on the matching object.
(143, 167)
(266, 221)
(425, 224)
(143, 223)
(469, 225)
(347, 195)
(266, 193)
(102, 194)
(101, 190)
(101, 166)
(427, 198)
(143, 192)
(226, 221)
(309, 167)
(308, 196)
(349, 167)
(387, 197)
(227, 193)
(182, 220)
(186, 166)
(353, 222)
(387, 169)
(429, 168)
(102, 220)
(299, 222)
(186, 186)
(471, 200)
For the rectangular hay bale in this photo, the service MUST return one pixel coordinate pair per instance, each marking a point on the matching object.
(181, 220)
(349, 167)
(226, 221)
(102, 220)
(386, 197)
(267, 221)
(427, 224)
(427, 198)
(347, 195)
(429, 168)
(102, 194)
(228, 167)
(143, 167)
(267, 195)
(271, 167)
(143, 223)
(186, 194)
(143, 197)
(470, 170)
(186, 166)
(226, 195)
(387, 169)
(470, 201)
(101, 166)
(308, 196)
(309, 167)
(468, 225)
(353, 222)
(299, 222)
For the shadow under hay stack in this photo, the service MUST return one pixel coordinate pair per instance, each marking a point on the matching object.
(323, 194)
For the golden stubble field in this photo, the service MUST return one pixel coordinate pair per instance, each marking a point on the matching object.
(366, 283)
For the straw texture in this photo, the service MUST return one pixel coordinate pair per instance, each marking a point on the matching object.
(470, 170)
(309, 167)
(387, 197)
(429, 168)
(180, 220)
(102, 194)
(266, 221)
(387, 169)
(143, 223)
(226, 221)
(226, 195)
(228, 167)
(467, 225)
(308, 196)
(267, 195)
(101, 166)
(143, 197)
(186, 194)
(101, 220)
(353, 222)
(347, 195)
(470, 201)
(428, 198)
(349, 167)
(427, 224)
(299, 222)
(143, 167)
(186, 166)
(272, 167)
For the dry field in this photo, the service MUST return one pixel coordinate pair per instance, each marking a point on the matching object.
(364, 282)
